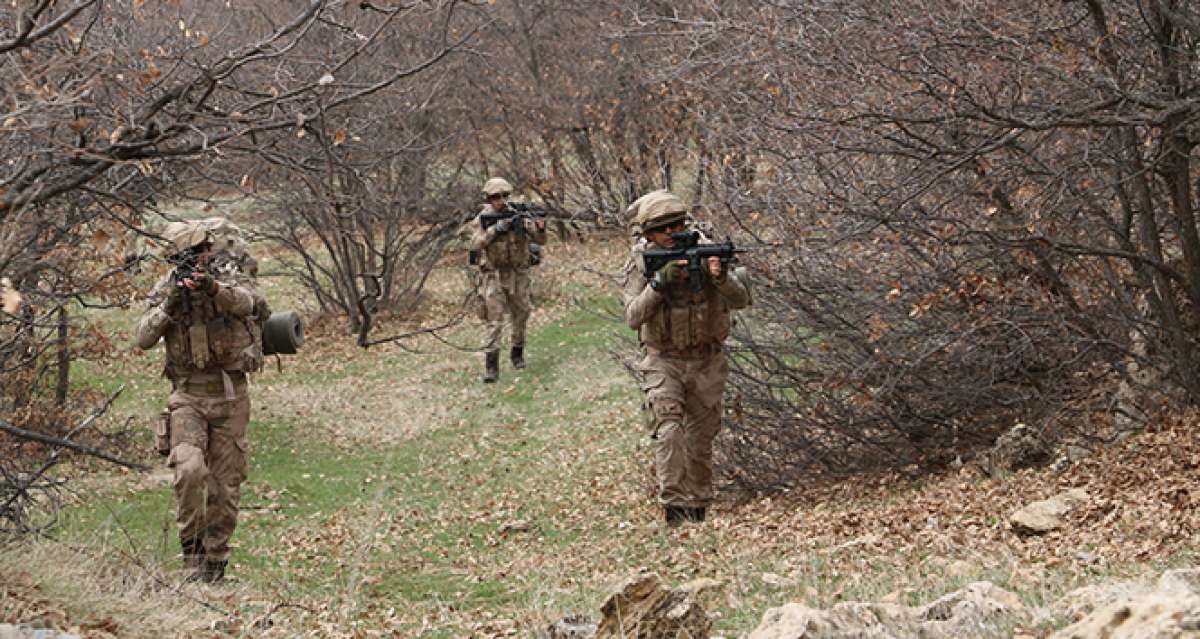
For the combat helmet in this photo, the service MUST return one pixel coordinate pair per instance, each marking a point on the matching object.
(659, 208)
(181, 236)
(225, 236)
(635, 208)
(496, 186)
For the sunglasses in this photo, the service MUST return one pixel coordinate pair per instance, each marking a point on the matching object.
(669, 228)
(496, 196)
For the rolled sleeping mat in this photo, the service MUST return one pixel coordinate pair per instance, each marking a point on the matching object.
(283, 333)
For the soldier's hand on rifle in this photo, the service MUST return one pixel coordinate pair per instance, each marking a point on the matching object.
(715, 267)
(201, 281)
(502, 225)
(668, 274)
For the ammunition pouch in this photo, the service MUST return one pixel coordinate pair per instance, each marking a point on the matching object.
(162, 434)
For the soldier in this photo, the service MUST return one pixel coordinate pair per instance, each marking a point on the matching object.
(210, 322)
(684, 368)
(504, 261)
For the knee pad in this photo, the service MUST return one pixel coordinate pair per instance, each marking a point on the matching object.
(666, 417)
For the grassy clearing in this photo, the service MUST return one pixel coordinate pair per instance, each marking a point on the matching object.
(391, 493)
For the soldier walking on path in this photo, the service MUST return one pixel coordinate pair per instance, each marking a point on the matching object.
(682, 332)
(504, 259)
(208, 312)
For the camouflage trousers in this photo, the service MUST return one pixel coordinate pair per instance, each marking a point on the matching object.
(209, 459)
(684, 403)
(505, 290)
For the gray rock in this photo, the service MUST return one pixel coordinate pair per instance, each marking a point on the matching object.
(1185, 581)
(859, 620)
(572, 627)
(980, 598)
(1081, 602)
(1168, 607)
(1046, 515)
(1154, 615)
(1021, 447)
(980, 610)
(24, 631)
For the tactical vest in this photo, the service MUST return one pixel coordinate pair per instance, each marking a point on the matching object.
(686, 322)
(507, 251)
(208, 341)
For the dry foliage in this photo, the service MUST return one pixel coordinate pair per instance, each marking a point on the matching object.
(966, 215)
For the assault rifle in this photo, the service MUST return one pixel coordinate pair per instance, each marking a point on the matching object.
(516, 213)
(185, 262)
(688, 247)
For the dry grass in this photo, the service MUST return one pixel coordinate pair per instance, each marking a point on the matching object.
(421, 467)
(385, 394)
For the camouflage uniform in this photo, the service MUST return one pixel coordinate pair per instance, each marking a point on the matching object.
(684, 367)
(503, 281)
(208, 357)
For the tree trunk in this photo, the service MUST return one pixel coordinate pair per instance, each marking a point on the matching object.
(64, 357)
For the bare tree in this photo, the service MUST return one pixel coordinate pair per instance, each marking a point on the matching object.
(355, 192)
(110, 108)
(966, 214)
(978, 212)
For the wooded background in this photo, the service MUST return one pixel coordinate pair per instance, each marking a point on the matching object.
(966, 215)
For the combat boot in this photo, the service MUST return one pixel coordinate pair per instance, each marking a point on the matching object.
(675, 515)
(193, 553)
(214, 571)
(518, 357)
(491, 367)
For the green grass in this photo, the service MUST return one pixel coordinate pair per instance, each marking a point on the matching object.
(408, 533)
(435, 497)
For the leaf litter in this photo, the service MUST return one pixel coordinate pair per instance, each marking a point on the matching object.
(499, 556)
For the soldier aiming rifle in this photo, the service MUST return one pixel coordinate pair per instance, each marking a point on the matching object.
(216, 327)
(682, 323)
(688, 251)
(514, 214)
(504, 245)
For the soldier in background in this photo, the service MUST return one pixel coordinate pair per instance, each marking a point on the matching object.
(504, 260)
(210, 323)
(684, 367)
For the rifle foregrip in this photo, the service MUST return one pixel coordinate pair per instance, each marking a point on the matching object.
(652, 264)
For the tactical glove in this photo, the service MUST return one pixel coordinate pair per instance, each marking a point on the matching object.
(503, 225)
(205, 283)
(665, 276)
